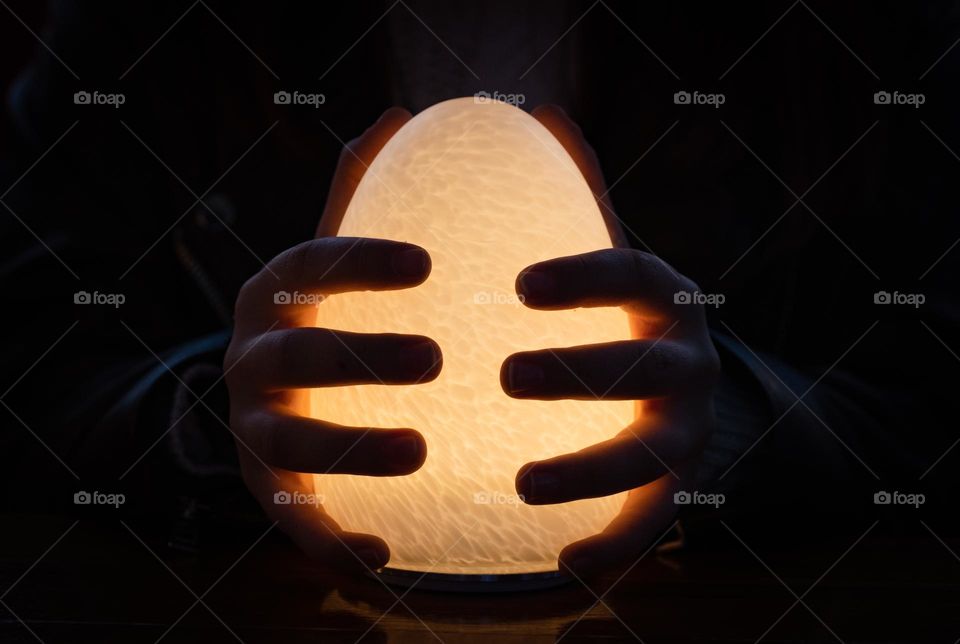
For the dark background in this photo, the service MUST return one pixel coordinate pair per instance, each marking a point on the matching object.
(113, 206)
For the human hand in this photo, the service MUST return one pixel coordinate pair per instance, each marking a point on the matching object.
(670, 367)
(276, 354)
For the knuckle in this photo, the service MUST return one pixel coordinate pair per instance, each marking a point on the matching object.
(246, 302)
(233, 369)
(295, 261)
(284, 351)
(644, 266)
(656, 365)
(260, 434)
(581, 264)
(660, 357)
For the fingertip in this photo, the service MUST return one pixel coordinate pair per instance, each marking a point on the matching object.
(395, 114)
(372, 551)
(573, 561)
(505, 376)
(405, 451)
(536, 485)
(392, 119)
(522, 481)
(550, 111)
(536, 286)
(521, 376)
(431, 361)
(411, 263)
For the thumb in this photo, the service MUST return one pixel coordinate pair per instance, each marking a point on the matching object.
(354, 160)
(562, 127)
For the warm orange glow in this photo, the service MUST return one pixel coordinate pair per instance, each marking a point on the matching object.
(486, 190)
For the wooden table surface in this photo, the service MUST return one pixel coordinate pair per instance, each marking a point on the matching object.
(106, 581)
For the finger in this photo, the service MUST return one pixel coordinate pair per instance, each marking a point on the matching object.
(562, 127)
(650, 448)
(646, 517)
(308, 524)
(312, 357)
(302, 444)
(609, 277)
(627, 370)
(354, 160)
(328, 266)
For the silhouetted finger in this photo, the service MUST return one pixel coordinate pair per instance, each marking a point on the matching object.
(645, 451)
(354, 161)
(289, 499)
(296, 280)
(562, 127)
(608, 277)
(646, 517)
(627, 370)
(314, 357)
(302, 444)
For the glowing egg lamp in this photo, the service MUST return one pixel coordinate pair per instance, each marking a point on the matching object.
(486, 190)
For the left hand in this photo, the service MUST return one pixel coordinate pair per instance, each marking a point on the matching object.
(670, 365)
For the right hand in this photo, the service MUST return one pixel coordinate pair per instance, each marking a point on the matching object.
(276, 355)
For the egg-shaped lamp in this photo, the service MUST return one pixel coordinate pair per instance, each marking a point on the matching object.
(487, 190)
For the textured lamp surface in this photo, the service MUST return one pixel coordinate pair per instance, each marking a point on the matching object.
(486, 190)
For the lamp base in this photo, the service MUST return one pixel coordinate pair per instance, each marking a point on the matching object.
(457, 583)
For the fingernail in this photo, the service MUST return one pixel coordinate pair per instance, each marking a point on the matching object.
(537, 285)
(411, 262)
(422, 358)
(403, 451)
(371, 557)
(543, 485)
(524, 376)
